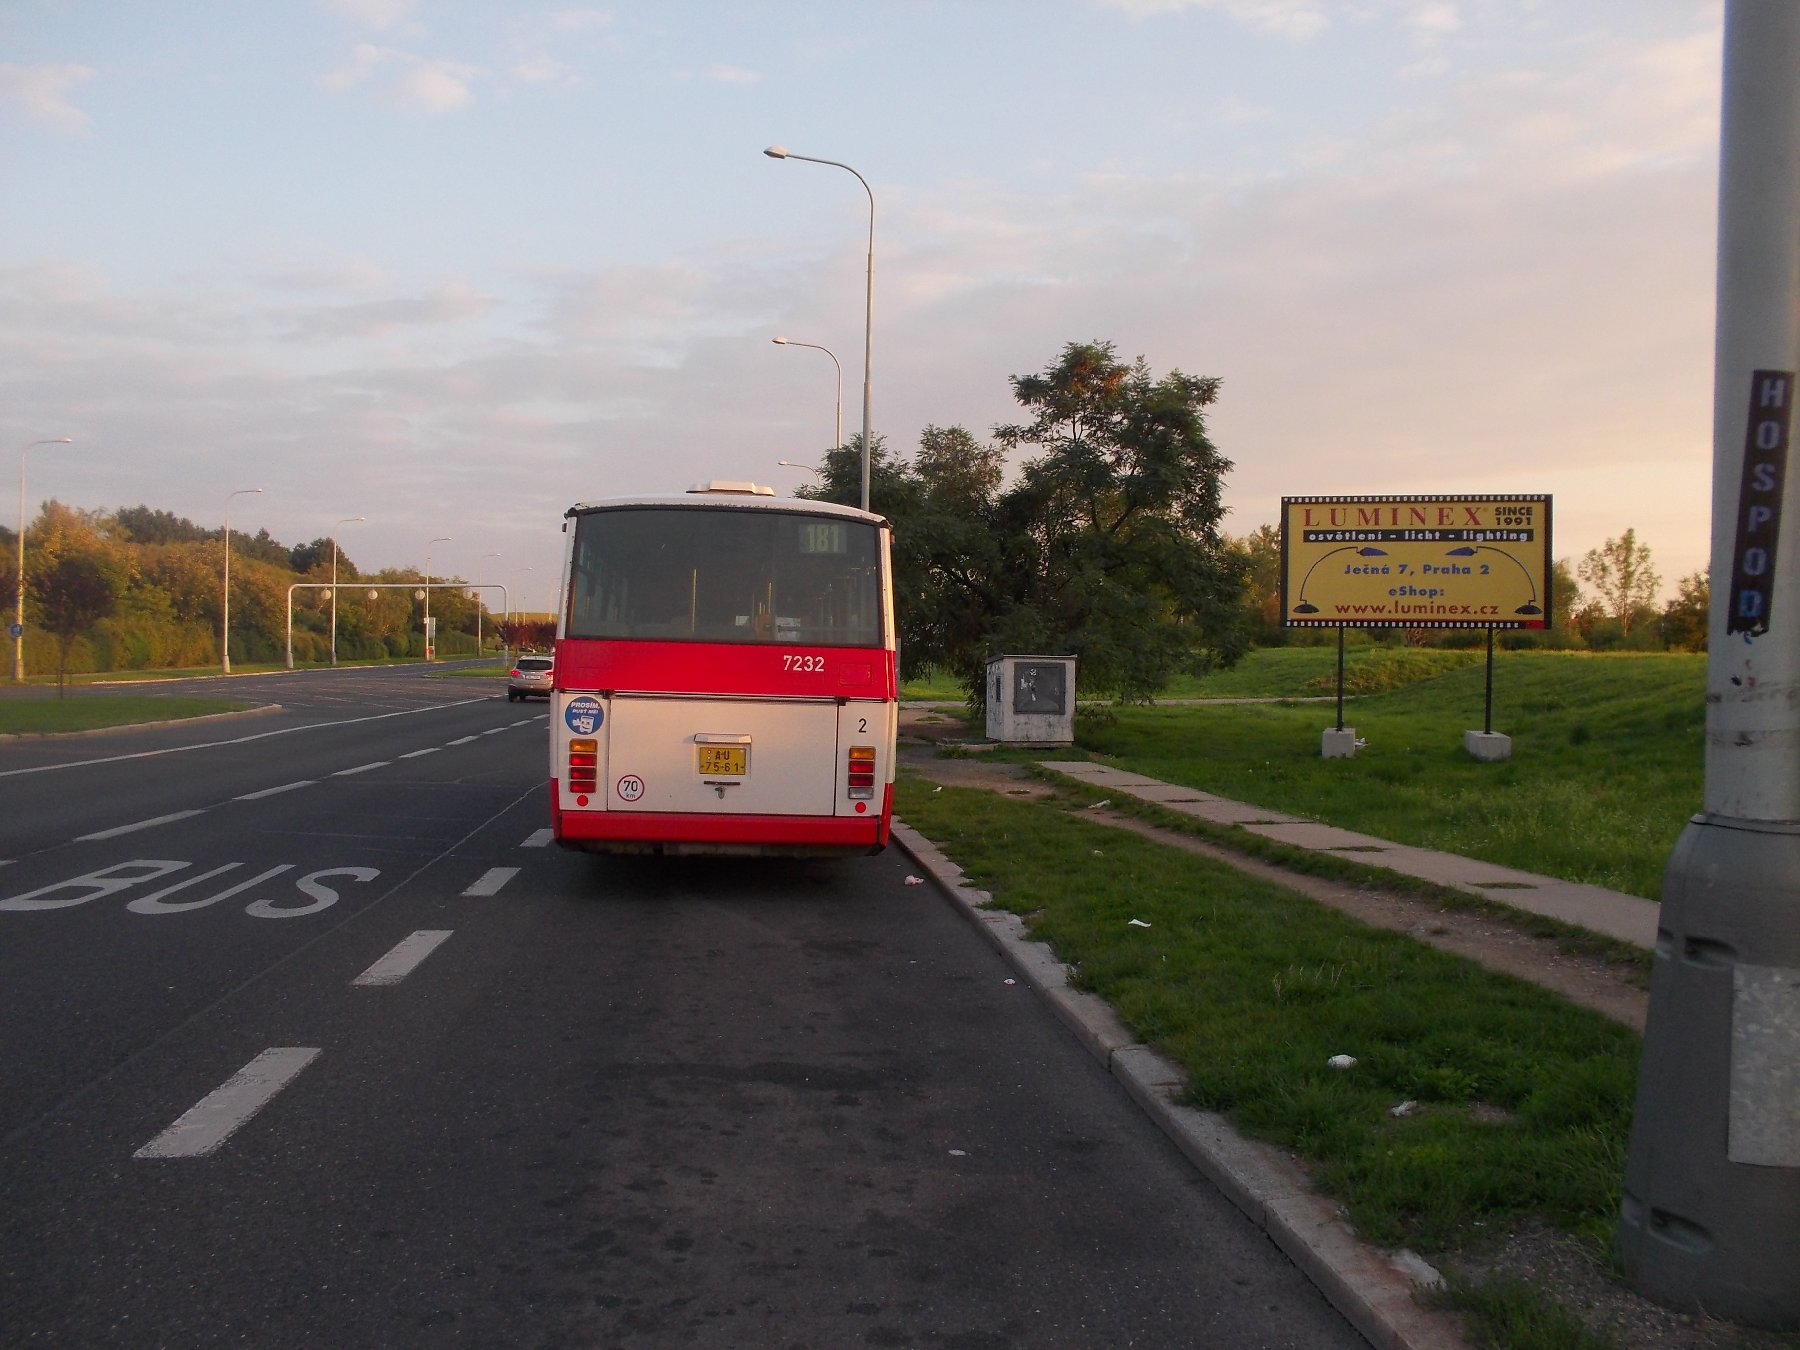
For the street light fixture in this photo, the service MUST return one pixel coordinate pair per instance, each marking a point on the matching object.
(18, 632)
(225, 590)
(441, 539)
(781, 152)
(347, 520)
(785, 342)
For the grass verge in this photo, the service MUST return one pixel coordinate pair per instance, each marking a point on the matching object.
(1606, 766)
(39, 716)
(1521, 1100)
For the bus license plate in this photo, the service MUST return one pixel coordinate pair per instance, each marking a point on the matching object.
(722, 761)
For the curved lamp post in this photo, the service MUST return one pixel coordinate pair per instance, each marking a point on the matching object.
(788, 342)
(19, 603)
(484, 558)
(347, 520)
(225, 590)
(429, 644)
(781, 152)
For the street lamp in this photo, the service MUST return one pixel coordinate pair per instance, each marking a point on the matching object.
(780, 152)
(18, 632)
(484, 556)
(225, 590)
(347, 520)
(784, 342)
(441, 539)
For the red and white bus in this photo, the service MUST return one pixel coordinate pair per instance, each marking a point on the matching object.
(725, 676)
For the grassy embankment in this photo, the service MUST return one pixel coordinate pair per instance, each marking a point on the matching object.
(46, 716)
(1522, 1100)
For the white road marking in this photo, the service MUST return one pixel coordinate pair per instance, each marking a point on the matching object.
(414, 754)
(493, 731)
(118, 830)
(219, 1114)
(539, 839)
(492, 880)
(404, 959)
(270, 792)
(236, 740)
(362, 768)
(462, 740)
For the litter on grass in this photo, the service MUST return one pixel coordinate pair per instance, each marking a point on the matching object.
(1104, 801)
(1342, 1061)
(1404, 1109)
(1138, 923)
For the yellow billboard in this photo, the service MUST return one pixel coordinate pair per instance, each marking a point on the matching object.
(1415, 562)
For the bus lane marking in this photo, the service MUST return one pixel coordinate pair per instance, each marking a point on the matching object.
(140, 871)
(362, 768)
(274, 791)
(490, 882)
(206, 1125)
(538, 838)
(404, 958)
(118, 830)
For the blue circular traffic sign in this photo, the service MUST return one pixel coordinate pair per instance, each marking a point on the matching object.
(584, 714)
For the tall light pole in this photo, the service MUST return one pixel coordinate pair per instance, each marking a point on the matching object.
(786, 342)
(347, 520)
(484, 558)
(18, 635)
(522, 598)
(1710, 1211)
(780, 152)
(441, 539)
(225, 590)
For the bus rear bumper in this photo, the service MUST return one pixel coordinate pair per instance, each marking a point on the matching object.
(720, 835)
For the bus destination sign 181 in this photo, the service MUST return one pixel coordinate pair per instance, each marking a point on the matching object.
(1415, 562)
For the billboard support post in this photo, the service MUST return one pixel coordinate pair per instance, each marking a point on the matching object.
(1710, 1217)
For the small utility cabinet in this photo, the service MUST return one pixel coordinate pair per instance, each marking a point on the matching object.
(1031, 700)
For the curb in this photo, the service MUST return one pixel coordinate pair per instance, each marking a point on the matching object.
(257, 711)
(1374, 1290)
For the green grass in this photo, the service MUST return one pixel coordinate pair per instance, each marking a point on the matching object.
(488, 671)
(1606, 765)
(1524, 1099)
(1508, 1312)
(1311, 672)
(40, 716)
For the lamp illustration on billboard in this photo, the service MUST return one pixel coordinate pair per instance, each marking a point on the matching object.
(1468, 551)
(1307, 607)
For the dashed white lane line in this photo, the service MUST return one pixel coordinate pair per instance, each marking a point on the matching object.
(362, 768)
(464, 740)
(414, 754)
(118, 830)
(219, 1114)
(490, 882)
(274, 791)
(538, 839)
(494, 731)
(404, 959)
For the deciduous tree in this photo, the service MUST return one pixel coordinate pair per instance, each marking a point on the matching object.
(1684, 619)
(1623, 579)
(74, 591)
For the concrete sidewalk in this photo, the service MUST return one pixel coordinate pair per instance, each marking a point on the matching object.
(1628, 918)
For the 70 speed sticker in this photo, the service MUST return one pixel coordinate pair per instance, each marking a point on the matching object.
(629, 788)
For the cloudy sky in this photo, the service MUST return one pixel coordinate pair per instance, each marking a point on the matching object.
(455, 264)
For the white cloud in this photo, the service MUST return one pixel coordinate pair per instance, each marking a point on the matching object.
(727, 74)
(415, 83)
(380, 15)
(1292, 19)
(543, 70)
(37, 93)
(575, 20)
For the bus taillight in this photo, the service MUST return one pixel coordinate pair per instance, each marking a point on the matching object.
(584, 758)
(859, 778)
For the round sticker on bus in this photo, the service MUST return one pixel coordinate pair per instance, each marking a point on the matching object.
(584, 715)
(630, 788)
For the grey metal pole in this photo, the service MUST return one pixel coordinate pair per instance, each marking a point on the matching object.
(779, 152)
(1711, 1211)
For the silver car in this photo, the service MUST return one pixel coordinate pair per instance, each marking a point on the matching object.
(531, 675)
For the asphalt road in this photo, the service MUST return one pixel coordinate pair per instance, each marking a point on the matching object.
(306, 1038)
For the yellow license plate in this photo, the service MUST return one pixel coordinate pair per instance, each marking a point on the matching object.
(723, 760)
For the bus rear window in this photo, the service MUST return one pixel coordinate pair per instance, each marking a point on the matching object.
(713, 575)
